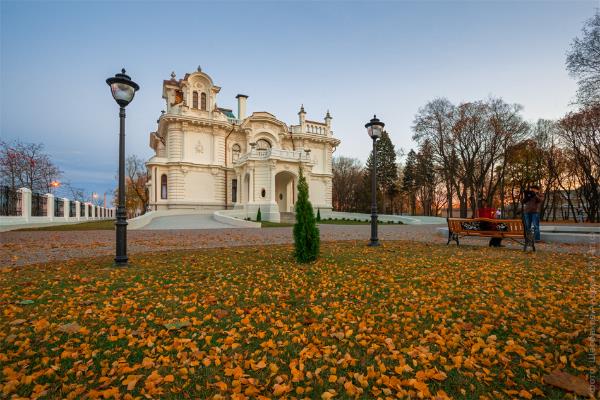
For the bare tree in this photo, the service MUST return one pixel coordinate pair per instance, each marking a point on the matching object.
(26, 165)
(580, 132)
(434, 123)
(583, 62)
(347, 183)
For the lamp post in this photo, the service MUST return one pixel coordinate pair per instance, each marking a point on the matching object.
(123, 90)
(374, 129)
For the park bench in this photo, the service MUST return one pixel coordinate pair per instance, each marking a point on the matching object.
(513, 229)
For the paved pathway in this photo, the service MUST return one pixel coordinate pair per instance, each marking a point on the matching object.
(22, 248)
(192, 221)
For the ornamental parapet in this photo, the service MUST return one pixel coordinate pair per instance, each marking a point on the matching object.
(274, 154)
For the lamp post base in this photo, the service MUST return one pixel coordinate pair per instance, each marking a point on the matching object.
(374, 243)
(120, 261)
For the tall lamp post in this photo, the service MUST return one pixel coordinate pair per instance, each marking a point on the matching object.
(123, 89)
(374, 129)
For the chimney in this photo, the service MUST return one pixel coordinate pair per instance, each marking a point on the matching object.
(241, 98)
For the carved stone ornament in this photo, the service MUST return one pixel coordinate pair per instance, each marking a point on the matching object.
(214, 171)
(199, 147)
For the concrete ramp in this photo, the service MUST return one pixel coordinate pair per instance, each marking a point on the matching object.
(190, 221)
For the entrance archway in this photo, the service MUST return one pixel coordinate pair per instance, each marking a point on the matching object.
(285, 187)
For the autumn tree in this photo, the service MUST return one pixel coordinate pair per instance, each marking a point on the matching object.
(136, 193)
(470, 144)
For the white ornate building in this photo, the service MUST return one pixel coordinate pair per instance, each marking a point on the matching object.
(207, 158)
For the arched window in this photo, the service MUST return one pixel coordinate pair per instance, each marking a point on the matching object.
(235, 152)
(163, 186)
(263, 144)
(203, 101)
(195, 100)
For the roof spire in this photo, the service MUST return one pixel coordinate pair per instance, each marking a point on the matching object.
(173, 75)
(302, 109)
(328, 116)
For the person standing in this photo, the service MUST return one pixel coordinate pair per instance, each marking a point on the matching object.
(532, 202)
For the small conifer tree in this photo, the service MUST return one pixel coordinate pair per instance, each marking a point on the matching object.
(306, 233)
(258, 216)
(318, 215)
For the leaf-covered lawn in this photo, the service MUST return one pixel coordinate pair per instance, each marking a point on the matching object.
(405, 320)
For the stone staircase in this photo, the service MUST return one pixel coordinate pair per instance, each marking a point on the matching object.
(287, 217)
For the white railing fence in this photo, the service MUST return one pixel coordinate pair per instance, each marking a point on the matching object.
(56, 210)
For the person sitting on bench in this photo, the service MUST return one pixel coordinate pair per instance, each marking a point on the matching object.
(487, 212)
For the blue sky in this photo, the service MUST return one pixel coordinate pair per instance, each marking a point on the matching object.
(353, 58)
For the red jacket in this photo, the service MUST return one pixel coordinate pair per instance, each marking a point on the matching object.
(486, 212)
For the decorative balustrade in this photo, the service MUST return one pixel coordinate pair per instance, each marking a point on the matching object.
(310, 128)
(276, 154)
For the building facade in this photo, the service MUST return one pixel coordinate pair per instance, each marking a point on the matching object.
(208, 158)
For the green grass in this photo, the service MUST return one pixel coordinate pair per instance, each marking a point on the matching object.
(82, 226)
(467, 322)
(267, 224)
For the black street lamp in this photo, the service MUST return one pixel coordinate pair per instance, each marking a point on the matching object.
(123, 89)
(374, 129)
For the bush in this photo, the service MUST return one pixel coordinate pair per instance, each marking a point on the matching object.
(258, 216)
(306, 233)
(318, 215)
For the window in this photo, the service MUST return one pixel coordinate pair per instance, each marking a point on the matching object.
(263, 144)
(235, 152)
(234, 190)
(195, 100)
(163, 186)
(203, 101)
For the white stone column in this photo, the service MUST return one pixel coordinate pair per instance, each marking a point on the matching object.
(86, 211)
(50, 206)
(251, 187)
(77, 210)
(66, 208)
(25, 203)
(272, 172)
(240, 189)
